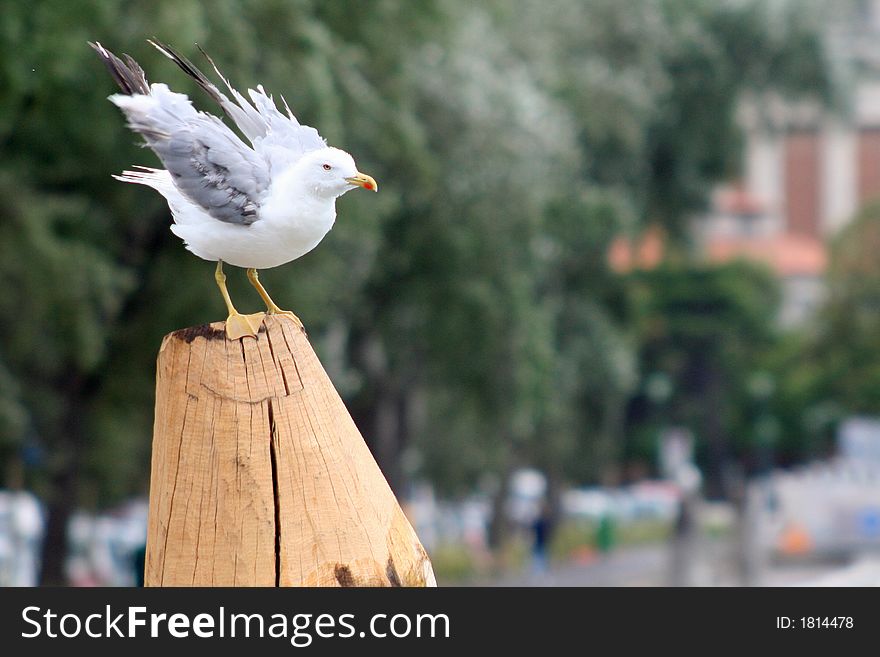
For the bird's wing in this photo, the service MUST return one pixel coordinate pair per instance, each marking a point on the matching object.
(207, 161)
(280, 138)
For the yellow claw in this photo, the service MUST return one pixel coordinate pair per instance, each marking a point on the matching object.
(240, 326)
(237, 325)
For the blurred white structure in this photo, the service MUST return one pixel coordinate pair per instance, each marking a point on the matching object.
(858, 439)
(21, 535)
(103, 546)
(825, 509)
(527, 490)
(646, 500)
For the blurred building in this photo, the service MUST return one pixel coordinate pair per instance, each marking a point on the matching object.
(806, 172)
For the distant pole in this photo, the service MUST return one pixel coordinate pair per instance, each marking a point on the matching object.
(259, 475)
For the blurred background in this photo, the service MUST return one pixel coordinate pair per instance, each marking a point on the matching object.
(614, 318)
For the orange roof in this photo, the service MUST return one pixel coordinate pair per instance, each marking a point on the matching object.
(646, 252)
(787, 254)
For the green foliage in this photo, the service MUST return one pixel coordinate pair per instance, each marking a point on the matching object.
(848, 346)
(832, 370)
(705, 330)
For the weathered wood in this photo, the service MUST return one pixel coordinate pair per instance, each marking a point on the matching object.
(259, 475)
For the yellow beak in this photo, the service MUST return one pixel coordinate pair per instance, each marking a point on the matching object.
(363, 180)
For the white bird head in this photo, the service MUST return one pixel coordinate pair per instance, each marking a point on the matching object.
(332, 172)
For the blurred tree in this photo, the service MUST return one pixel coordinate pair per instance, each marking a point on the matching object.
(832, 369)
(850, 334)
(706, 328)
(654, 87)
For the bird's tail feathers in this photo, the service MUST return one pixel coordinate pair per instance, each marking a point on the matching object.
(158, 179)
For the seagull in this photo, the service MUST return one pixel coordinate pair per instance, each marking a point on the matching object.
(253, 206)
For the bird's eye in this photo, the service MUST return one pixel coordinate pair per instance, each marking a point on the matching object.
(327, 167)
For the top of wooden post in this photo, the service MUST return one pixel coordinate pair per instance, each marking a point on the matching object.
(260, 476)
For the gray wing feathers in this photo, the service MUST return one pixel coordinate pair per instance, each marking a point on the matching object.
(206, 160)
(212, 167)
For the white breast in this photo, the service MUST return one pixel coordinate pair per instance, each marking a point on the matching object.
(287, 229)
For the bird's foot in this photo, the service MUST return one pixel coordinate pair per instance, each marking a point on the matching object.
(296, 320)
(239, 326)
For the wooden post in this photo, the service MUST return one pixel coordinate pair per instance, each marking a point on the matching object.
(259, 475)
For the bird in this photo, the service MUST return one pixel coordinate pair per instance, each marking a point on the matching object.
(254, 206)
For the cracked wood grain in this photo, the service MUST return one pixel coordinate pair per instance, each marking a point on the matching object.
(260, 477)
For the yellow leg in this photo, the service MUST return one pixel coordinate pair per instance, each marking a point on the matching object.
(237, 325)
(271, 308)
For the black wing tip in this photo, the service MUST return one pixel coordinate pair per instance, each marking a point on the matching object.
(184, 64)
(163, 47)
(128, 74)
